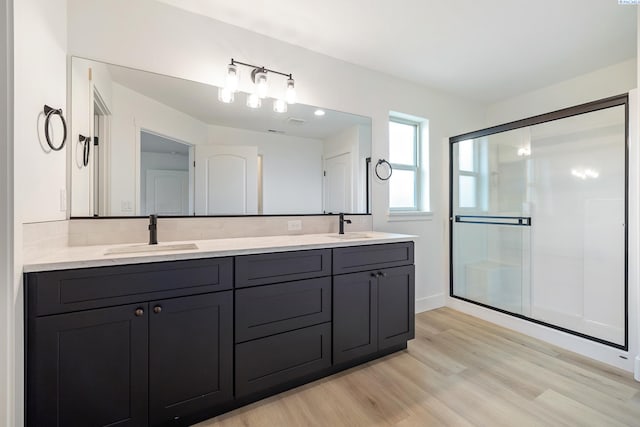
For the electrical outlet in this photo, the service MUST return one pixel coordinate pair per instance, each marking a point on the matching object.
(295, 225)
(63, 200)
(125, 206)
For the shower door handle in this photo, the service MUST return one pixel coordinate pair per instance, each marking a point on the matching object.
(524, 221)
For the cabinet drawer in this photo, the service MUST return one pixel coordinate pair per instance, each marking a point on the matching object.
(262, 269)
(272, 309)
(80, 289)
(278, 359)
(362, 258)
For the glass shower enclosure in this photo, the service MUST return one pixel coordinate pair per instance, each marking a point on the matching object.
(538, 219)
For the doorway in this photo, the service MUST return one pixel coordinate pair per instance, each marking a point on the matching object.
(165, 175)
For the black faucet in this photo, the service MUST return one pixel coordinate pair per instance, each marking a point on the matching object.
(153, 229)
(341, 222)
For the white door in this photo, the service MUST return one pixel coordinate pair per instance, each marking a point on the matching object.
(226, 180)
(167, 192)
(337, 193)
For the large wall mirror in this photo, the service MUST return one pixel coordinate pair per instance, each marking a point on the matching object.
(167, 146)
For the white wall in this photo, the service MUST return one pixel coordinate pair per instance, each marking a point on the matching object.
(40, 75)
(610, 81)
(133, 112)
(198, 48)
(634, 214)
(7, 320)
(283, 157)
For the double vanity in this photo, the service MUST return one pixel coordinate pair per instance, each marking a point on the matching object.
(133, 338)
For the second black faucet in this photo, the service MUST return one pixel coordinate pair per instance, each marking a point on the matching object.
(342, 221)
(153, 229)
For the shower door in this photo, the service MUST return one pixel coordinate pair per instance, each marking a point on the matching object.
(538, 219)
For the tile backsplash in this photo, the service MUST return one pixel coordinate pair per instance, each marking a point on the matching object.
(83, 232)
(40, 238)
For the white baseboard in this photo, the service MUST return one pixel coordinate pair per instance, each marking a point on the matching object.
(429, 303)
(601, 352)
(636, 368)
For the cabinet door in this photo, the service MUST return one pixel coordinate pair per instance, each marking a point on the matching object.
(190, 355)
(88, 368)
(396, 306)
(355, 313)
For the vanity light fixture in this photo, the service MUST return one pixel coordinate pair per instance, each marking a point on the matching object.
(261, 88)
(253, 100)
(225, 95)
(279, 106)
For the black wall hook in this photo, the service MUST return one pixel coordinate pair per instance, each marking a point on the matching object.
(86, 141)
(49, 112)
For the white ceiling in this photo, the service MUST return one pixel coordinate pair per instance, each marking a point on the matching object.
(481, 49)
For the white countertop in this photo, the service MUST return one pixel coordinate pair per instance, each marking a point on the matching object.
(94, 256)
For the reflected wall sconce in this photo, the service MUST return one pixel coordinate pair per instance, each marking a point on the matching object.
(259, 78)
(585, 173)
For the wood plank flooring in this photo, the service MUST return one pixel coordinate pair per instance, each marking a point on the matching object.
(459, 371)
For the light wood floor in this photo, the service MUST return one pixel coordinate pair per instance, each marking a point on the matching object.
(459, 371)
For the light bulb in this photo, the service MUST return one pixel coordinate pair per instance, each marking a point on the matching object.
(290, 92)
(279, 106)
(232, 78)
(225, 95)
(260, 80)
(253, 101)
(319, 113)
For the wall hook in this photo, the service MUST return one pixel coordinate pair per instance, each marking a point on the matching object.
(86, 141)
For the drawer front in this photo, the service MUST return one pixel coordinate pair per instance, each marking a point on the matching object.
(362, 258)
(278, 359)
(272, 309)
(86, 288)
(263, 269)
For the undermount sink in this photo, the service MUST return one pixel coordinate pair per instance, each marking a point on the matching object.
(350, 236)
(134, 249)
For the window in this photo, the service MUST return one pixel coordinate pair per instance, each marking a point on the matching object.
(406, 185)
(467, 174)
(472, 174)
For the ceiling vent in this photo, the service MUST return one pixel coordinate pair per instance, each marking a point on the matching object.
(296, 121)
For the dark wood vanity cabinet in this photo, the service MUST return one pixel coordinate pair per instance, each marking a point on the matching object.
(283, 325)
(373, 309)
(149, 362)
(176, 342)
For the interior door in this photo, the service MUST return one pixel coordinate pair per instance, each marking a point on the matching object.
(226, 180)
(338, 184)
(167, 192)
